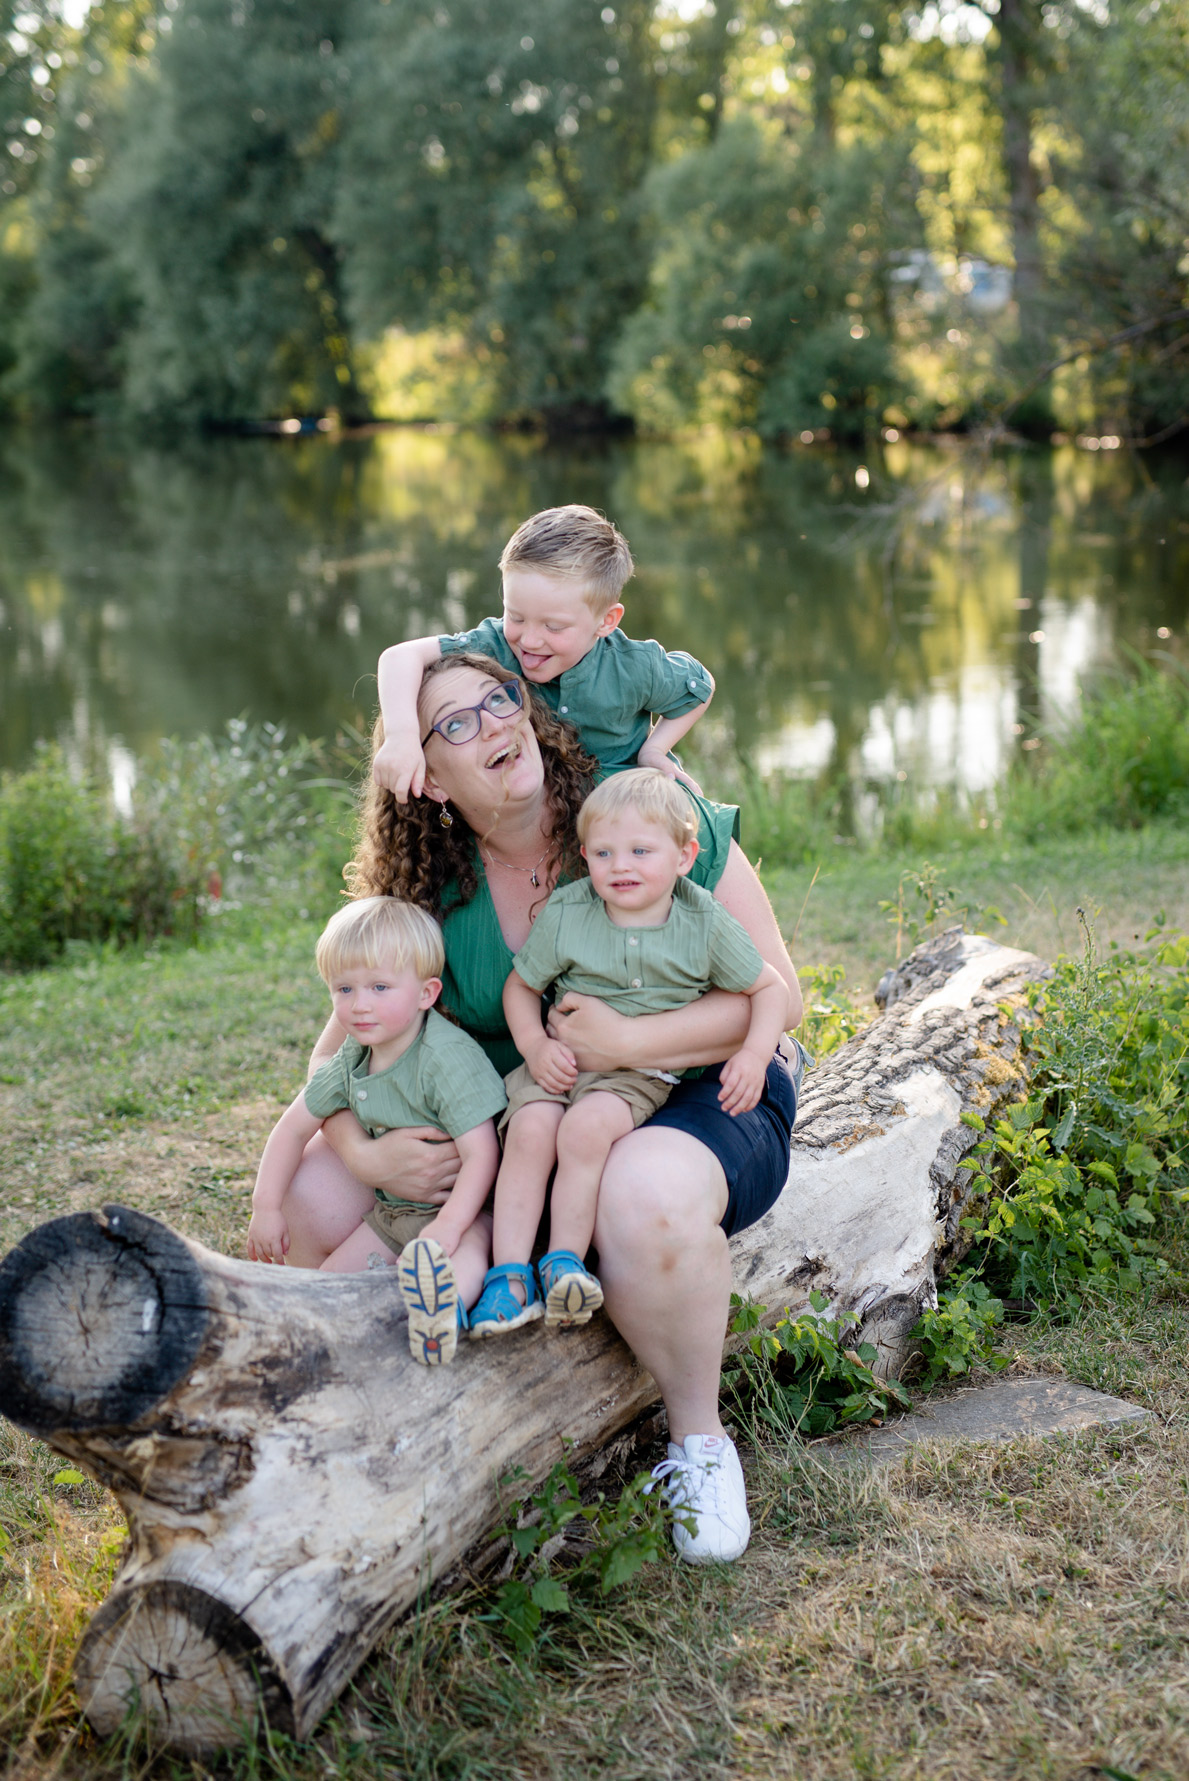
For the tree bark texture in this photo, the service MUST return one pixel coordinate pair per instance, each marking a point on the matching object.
(292, 1480)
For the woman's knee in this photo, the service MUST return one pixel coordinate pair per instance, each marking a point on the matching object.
(657, 1186)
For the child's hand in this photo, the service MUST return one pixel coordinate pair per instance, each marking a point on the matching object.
(399, 766)
(652, 756)
(742, 1080)
(553, 1066)
(268, 1237)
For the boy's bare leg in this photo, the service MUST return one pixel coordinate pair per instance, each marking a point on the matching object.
(584, 1139)
(530, 1151)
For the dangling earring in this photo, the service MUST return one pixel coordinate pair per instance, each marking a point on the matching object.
(445, 818)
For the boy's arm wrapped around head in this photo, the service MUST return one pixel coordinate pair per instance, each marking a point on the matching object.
(399, 765)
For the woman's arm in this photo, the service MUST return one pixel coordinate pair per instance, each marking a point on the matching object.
(743, 896)
(707, 1031)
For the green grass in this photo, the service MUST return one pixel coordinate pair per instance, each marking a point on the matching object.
(1006, 1612)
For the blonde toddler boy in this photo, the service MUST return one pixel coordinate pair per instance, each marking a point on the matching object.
(402, 1064)
(564, 571)
(640, 937)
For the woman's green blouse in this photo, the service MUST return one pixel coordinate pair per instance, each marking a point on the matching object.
(478, 958)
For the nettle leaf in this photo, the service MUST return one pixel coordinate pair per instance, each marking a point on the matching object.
(550, 1596)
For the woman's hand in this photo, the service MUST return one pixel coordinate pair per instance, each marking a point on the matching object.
(595, 1035)
(412, 1162)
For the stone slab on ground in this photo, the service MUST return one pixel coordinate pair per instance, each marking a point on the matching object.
(1000, 1412)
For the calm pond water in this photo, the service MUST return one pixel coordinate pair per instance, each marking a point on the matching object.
(899, 614)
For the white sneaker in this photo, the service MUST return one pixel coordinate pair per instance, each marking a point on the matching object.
(704, 1481)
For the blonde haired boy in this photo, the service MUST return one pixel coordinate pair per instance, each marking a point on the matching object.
(639, 936)
(564, 571)
(402, 1064)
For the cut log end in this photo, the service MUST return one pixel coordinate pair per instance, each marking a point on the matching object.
(176, 1658)
(100, 1315)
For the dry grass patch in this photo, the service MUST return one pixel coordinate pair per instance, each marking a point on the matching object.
(994, 1612)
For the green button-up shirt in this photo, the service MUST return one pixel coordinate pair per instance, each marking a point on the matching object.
(478, 958)
(575, 945)
(612, 694)
(444, 1079)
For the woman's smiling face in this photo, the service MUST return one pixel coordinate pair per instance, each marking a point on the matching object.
(501, 764)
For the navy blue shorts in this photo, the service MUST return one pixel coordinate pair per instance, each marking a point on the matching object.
(753, 1148)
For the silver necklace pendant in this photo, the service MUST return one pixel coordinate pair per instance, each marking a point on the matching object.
(533, 879)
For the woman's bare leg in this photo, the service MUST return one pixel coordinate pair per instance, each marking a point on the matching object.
(665, 1268)
(324, 1206)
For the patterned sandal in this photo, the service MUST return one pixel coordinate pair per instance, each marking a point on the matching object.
(431, 1298)
(499, 1311)
(571, 1294)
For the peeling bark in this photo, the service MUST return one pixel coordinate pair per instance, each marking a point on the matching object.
(292, 1480)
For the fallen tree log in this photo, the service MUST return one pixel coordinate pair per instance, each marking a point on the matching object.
(292, 1481)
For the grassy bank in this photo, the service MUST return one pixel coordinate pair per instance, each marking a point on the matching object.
(1010, 1612)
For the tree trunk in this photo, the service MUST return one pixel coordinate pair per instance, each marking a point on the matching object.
(292, 1480)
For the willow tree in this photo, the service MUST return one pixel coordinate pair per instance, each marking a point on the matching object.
(218, 209)
(495, 163)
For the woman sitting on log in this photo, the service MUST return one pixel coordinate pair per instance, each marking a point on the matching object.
(481, 849)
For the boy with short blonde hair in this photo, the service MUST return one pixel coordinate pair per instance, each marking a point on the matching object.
(401, 1064)
(564, 571)
(639, 936)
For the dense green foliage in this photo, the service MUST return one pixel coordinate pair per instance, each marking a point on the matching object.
(788, 215)
(1082, 1188)
(209, 819)
(72, 869)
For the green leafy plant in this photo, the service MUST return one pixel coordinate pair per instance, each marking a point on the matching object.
(959, 1332)
(923, 904)
(617, 1540)
(804, 1377)
(830, 1018)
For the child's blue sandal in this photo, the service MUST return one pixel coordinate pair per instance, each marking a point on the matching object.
(430, 1291)
(499, 1311)
(571, 1294)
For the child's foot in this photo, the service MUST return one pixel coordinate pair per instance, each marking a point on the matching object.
(430, 1293)
(499, 1310)
(571, 1294)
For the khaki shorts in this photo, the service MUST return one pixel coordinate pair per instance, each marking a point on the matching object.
(397, 1222)
(643, 1094)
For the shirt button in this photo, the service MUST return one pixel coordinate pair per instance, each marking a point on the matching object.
(632, 940)
(635, 983)
(362, 1094)
(563, 709)
(693, 686)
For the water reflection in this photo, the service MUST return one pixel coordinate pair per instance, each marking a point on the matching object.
(908, 626)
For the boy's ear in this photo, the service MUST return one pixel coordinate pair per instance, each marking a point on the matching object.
(609, 620)
(431, 989)
(686, 857)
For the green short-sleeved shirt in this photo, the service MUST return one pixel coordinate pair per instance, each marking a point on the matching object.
(575, 945)
(612, 694)
(478, 958)
(442, 1080)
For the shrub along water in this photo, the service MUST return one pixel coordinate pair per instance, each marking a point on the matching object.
(248, 814)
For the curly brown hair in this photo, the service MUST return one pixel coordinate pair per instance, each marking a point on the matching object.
(403, 849)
